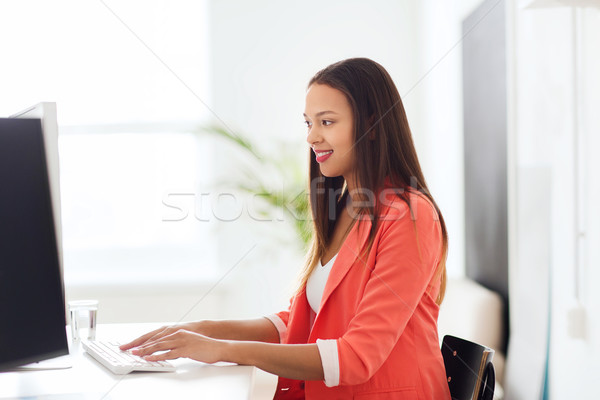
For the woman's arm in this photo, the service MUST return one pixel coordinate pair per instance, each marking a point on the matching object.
(295, 361)
(260, 329)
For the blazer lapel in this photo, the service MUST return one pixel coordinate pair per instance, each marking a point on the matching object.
(349, 252)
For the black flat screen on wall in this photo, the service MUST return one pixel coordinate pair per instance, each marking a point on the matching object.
(485, 148)
(32, 310)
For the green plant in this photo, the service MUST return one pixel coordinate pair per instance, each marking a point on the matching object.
(293, 200)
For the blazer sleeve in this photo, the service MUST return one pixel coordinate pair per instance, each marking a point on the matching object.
(280, 325)
(406, 259)
(280, 320)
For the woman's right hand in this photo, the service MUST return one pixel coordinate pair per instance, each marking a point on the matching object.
(196, 327)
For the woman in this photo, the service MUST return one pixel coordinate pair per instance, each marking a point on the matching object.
(363, 323)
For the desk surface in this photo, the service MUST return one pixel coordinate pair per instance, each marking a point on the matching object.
(89, 380)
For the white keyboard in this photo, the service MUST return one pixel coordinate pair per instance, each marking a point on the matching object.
(122, 362)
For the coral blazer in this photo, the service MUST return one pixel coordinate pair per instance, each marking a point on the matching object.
(380, 309)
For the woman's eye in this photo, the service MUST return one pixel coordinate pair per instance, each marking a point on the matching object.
(308, 124)
(327, 123)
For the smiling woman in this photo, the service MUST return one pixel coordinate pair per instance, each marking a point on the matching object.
(363, 321)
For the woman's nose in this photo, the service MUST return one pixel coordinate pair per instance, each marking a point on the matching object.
(313, 136)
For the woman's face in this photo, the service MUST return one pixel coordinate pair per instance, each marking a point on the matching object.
(330, 126)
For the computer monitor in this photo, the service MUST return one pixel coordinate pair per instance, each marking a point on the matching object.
(46, 112)
(32, 307)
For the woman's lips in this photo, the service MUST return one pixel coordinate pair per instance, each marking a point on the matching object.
(323, 155)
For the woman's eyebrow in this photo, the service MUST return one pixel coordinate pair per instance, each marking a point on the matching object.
(320, 113)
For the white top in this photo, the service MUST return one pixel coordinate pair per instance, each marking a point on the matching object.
(328, 350)
(315, 285)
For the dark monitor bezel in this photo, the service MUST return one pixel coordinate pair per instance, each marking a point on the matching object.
(33, 127)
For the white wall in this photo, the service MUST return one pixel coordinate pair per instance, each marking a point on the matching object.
(438, 94)
(553, 103)
(264, 52)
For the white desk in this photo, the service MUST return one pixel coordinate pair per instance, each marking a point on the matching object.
(89, 380)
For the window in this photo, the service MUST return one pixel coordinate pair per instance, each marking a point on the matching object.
(130, 80)
(117, 222)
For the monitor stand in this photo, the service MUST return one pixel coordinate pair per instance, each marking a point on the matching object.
(62, 362)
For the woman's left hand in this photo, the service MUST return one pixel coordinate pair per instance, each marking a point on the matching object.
(182, 343)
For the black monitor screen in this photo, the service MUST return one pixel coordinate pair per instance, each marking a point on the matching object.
(32, 310)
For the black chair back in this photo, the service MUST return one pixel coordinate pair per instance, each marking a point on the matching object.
(469, 369)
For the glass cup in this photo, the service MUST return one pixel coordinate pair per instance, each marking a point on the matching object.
(83, 319)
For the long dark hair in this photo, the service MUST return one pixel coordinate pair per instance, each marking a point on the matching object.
(383, 149)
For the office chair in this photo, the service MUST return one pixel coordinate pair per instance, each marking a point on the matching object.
(469, 369)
